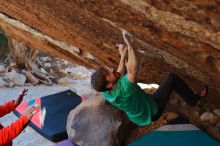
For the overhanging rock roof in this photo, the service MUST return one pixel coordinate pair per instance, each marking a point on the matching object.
(178, 36)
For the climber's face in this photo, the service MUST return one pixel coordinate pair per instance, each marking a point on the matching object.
(111, 76)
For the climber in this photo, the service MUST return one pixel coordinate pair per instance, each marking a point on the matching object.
(121, 90)
(7, 134)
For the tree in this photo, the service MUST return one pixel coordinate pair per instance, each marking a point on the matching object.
(27, 58)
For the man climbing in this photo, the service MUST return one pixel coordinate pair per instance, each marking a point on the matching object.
(122, 91)
(7, 134)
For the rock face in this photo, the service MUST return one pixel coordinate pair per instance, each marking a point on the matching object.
(170, 36)
(97, 123)
(178, 36)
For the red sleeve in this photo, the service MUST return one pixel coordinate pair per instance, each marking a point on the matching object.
(7, 134)
(7, 108)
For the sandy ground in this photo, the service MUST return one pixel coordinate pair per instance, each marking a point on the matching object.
(29, 137)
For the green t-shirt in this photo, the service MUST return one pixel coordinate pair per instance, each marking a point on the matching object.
(130, 98)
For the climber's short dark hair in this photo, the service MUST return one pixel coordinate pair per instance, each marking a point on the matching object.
(98, 80)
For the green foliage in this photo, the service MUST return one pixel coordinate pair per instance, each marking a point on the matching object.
(4, 50)
(3, 40)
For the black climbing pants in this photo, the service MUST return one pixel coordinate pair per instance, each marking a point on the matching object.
(168, 84)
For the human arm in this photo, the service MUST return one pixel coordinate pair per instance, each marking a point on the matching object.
(132, 64)
(123, 52)
(20, 97)
(8, 133)
(11, 105)
(7, 108)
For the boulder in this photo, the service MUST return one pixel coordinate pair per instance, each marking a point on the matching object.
(47, 65)
(44, 59)
(97, 123)
(217, 112)
(2, 82)
(206, 117)
(16, 78)
(64, 81)
(2, 68)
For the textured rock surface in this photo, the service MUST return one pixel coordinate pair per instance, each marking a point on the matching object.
(96, 123)
(179, 36)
